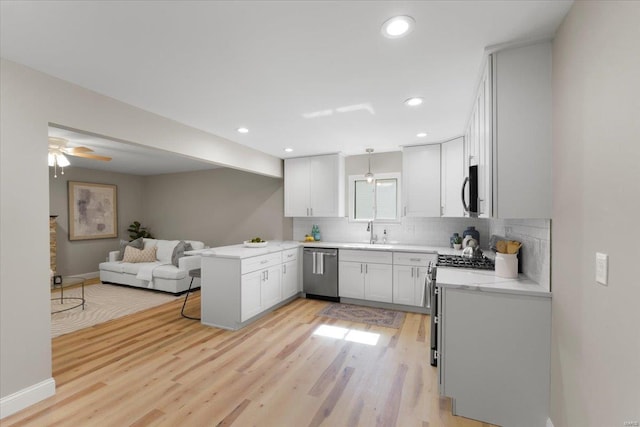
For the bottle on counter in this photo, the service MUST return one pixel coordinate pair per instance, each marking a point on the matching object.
(315, 232)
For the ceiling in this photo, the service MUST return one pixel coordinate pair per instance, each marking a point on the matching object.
(127, 158)
(315, 76)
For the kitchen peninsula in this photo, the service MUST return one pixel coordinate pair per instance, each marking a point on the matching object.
(240, 284)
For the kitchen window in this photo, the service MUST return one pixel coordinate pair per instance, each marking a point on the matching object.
(378, 200)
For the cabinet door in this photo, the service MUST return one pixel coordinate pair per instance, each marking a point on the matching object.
(452, 177)
(403, 284)
(378, 284)
(296, 187)
(250, 295)
(326, 194)
(289, 279)
(271, 291)
(351, 280)
(421, 180)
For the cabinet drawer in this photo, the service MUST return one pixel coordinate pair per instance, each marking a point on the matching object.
(290, 255)
(259, 262)
(414, 259)
(374, 257)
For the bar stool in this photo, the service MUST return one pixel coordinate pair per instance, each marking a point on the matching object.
(193, 274)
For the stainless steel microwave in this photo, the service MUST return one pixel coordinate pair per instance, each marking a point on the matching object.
(471, 208)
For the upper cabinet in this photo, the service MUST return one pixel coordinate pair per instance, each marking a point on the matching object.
(509, 134)
(314, 186)
(421, 180)
(452, 176)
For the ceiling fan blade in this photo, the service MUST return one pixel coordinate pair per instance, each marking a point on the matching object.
(73, 150)
(91, 156)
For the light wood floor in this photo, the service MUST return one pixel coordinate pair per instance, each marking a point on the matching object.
(155, 368)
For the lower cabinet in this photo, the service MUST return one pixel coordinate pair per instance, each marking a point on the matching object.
(259, 291)
(290, 282)
(409, 271)
(408, 285)
(366, 275)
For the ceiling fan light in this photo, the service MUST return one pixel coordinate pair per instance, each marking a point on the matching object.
(62, 160)
(52, 159)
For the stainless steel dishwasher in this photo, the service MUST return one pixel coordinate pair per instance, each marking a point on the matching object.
(320, 278)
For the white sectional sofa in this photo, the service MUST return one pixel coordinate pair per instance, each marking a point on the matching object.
(161, 275)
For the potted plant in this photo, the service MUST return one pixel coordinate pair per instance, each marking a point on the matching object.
(457, 242)
(136, 230)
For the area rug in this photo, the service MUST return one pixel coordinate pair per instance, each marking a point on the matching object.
(368, 315)
(103, 303)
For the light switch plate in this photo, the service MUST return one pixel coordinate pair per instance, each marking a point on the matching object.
(602, 268)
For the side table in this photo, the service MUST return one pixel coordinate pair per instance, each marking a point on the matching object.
(69, 281)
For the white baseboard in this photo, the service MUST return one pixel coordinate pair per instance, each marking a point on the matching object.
(92, 275)
(26, 397)
(549, 423)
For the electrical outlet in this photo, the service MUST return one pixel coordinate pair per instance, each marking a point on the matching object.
(602, 268)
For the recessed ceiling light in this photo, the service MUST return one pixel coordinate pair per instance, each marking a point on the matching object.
(421, 134)
(288, 150)
(413, 102)
(243, 130)
(398, 26)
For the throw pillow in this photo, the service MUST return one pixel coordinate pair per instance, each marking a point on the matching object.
(134, 255)
(179, 250)
(137, 243)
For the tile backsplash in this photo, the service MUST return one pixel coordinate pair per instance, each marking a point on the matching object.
(535, 235)
(535, 254)
(412, 231)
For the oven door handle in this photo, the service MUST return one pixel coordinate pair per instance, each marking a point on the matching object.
(427, 289)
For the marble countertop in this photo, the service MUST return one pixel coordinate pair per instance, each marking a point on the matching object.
(241, 251)
(486, 280)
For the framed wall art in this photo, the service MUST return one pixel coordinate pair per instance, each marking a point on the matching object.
(93, 212)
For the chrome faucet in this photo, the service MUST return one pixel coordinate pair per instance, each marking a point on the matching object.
(372, 237)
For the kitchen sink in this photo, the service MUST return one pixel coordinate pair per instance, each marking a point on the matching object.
(366, 246)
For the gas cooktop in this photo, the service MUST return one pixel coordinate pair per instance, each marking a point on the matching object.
(458, 261)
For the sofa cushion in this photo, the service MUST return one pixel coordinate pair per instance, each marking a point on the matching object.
(195, 245)
(165, 250)
(134, 268)
(116, 267)
(169, 272)
(134, 255)
(150, 242)
(137, 243)
(178, 251)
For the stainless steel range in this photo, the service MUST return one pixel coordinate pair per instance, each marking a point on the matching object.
(458, 261)
(447, 261)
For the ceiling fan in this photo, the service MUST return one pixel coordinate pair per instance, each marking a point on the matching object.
(58, 148)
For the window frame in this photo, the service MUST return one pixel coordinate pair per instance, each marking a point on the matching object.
(378, 176)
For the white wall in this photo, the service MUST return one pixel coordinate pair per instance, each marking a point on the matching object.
(595, 361)
(30, 100)
(219, 206)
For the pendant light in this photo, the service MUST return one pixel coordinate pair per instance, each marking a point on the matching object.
(369, 175)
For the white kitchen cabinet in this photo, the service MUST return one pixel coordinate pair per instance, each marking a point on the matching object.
(351, 279)
(494, 355)
(260, 290)
(452, 177)
(314, 186)
(409, 271)
(290, 282)
(238, 285)
(421, 180)
(250, 295)
(508, 134)
(366, 275)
